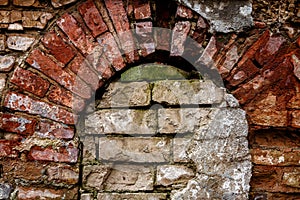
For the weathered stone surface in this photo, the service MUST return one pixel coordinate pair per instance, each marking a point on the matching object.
(63, 174)
(123, 121)
(7, 148)
(170, 175)
(60, 3)
(17, 124)
(292, 179)
(27, 104)
(220, 14)
(130, 178)
(144, 33)
(296, 63)
(92, 18)
(296, 119)
(126, 95)
(35, 19)
(180, 149)
(20, 43)
(187, 92)
(185, 120)
(135, 149)
(89, 148)
(94, 176)
(46, 65)
(2, 40)
(24, 2)
(132, 196)
(30, 82)
(32, 193)
(152, 72)
(6, 63)
(5, 190)
(86, 196)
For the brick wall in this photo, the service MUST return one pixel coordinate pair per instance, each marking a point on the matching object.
(55, 54)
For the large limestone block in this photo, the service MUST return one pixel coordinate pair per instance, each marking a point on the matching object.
(135, 149)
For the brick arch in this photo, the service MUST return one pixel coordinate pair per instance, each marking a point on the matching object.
(259, 71)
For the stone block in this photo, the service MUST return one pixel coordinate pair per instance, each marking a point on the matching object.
(183, 92)
(20, 42)
(3, 78)
(63, 174)
(132, 196)
(135, 149)
(292, 179)
(5, 190)
(94, 176)
(90, 147)
(180, 149)
(122, 121)
(6, 62)
(179, 35)
(172, 175)
(60, 3)
(86, 196)
(35, 19)
(2, 42)
(126, 95)
(130, 178)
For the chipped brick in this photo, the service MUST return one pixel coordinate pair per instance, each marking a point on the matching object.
(54, 130)
(17, 124)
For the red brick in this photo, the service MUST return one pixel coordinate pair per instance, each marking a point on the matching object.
(3, 2)
(145, 38)
(104, 68)
(209, 52)
(163, 39)
(7, 149)
(92, 18)
(275, 157)
(30, 82)
(34, 193)
(80, 67)
(242, 72)
(255, 47)
(17, 124)
(179, 36)
(27, 104)
(54, 130)
(119, 18)
(67, 154)
(268, 51)
(70, 26)
(142, 9)
(184, 12)
(111, 51)
(298, 41)
(57, 47)
(62, 96)
(40, 61)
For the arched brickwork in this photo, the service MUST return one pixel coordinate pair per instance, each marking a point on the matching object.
(260, 68)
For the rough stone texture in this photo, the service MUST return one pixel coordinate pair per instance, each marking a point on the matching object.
(179, 35)
(140, 150)
(60, 3)
(3, 79)
(94, 176)
(5, 190)
(6, 63)
(132, 196)
(35, 19)
(63, 174)
(172, 175)
(292, 179)
(180, 147)
(220, 14)
(123, 121)
(20, 43)
(126, 95)
(130, 178)
(187, 92)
